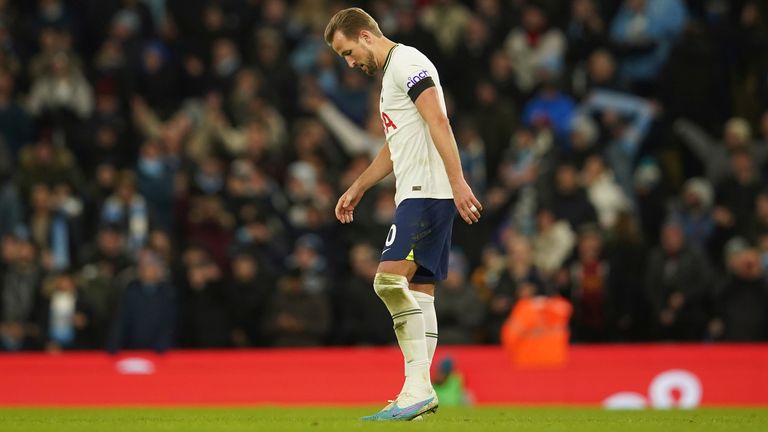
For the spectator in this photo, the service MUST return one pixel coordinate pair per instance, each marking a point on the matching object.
(210, 225)
(248, 291)
(495, 118)
(269, 47)
(45, 162)
(410, 31)
(587, 281)
(355, 140)
(586, 31)
(487, 273)
(604, 193)
(497, 16)
(15, 124)
(749, 35)
(225, 63)
(155, 182)
(458, 307)
(296, 317)
(248, 85)
(520, 275)
(762, 247)
(146, 312)
(553, 242)
(469, 59)
(127, 209)
(627, 120)
(536, 49)
(582, 141)
(22, 276)
(695, 212)
(536, 154)
(549, 108)
(108, 249)
(759, 224)
(735, 196)
(51, 41)
(714, 155)
(740, 301)
(501, 75)
(257, 203)
(694, 64)
(763, 127)
(102, 266)
(601, 73)
(570, 201)
(645, 30)
(365, 319)
(445, 19)
(627, 256)
(10, 206)
(520, 172)
(204, 313)
(52, 228)
(351, 96)
(62, 89)
(650, 194)
(111, 69)
(308, 261)
(678, 285)
(472, 156)
(157, 82)
(103, 140)
(65, 319)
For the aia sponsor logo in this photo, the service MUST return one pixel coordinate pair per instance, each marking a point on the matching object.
(675, 388)
(388, 123)
(416, 78)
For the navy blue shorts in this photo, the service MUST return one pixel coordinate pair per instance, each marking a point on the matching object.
(421, 233)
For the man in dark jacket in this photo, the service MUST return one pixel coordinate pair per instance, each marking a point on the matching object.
(146, 312)
(678, 286)
(741, 301)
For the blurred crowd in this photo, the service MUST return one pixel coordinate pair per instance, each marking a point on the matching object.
(169, 168)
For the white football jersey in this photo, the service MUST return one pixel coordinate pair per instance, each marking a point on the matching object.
(418, 167)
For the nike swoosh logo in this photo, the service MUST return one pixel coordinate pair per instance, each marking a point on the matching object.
(397, 411)
(385, 251)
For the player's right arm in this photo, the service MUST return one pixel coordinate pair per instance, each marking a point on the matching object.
(376, 171)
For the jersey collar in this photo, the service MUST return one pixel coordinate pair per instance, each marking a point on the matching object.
(389, 56)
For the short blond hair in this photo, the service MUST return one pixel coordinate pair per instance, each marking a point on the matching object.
(350, 22)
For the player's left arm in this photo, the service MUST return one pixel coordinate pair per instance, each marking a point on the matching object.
(428, 104)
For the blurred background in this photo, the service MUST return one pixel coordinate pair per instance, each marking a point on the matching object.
(169, 170)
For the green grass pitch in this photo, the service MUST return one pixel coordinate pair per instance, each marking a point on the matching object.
(486, 419)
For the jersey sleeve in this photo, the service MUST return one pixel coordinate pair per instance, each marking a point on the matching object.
(412, 75)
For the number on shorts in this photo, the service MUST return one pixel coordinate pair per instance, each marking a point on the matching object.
(391, 236)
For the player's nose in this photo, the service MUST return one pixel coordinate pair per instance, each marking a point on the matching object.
(350, 61)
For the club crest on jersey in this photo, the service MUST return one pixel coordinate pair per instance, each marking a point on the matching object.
(416, 78)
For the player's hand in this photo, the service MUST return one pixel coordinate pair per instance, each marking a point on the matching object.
(468, 206)
(345, 207)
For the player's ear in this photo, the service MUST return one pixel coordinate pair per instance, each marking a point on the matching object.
(365, 35)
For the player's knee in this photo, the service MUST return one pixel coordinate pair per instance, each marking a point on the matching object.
(388, 285)
(392, 289)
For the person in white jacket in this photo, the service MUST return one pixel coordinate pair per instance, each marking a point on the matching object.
(63, 86)
(604, 192)
(553, 242)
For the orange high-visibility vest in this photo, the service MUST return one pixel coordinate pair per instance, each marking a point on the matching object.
(536, 331)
